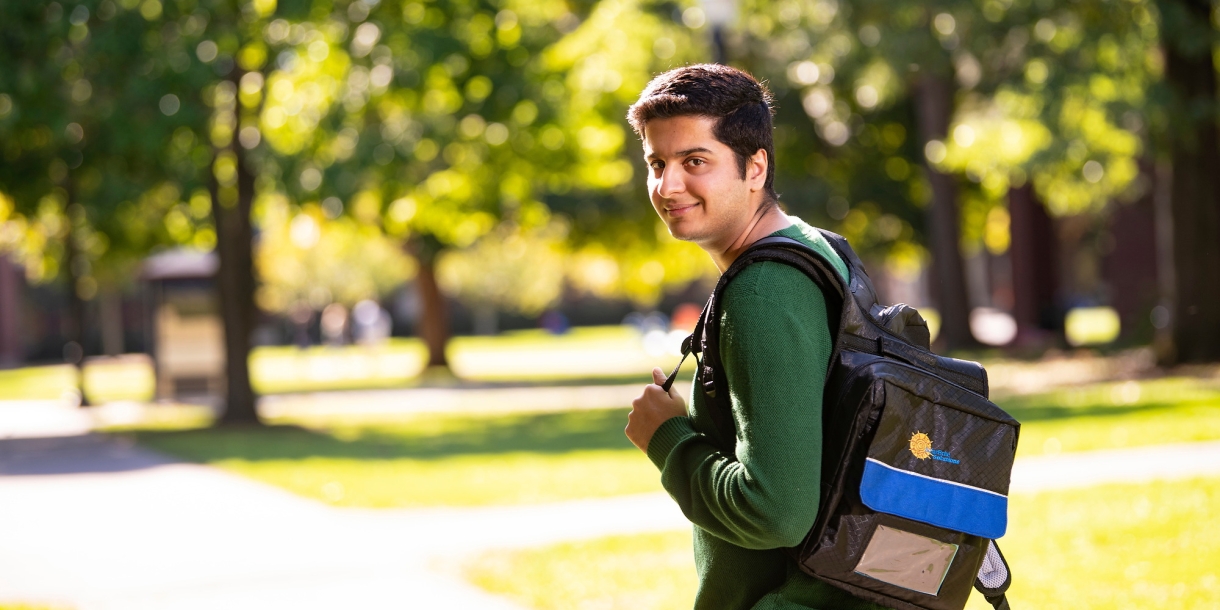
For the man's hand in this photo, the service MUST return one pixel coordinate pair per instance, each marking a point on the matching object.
(653, 408)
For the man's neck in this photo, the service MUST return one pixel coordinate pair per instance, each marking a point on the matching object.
(767, 220)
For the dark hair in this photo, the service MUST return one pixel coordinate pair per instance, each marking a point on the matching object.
(741, 106)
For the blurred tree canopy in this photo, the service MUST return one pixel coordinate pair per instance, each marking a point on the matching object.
(1074, 100)
(485, 140)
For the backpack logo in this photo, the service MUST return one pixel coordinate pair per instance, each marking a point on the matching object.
(921, 446)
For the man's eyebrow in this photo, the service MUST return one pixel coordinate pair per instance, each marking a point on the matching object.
(682, 153)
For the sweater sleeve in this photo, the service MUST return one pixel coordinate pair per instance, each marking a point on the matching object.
(775, 350)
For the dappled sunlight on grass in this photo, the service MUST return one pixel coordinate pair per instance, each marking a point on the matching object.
(1149, 546)
(485, 458)
(37, 382)
(641, 572)
(435, 460)
(127, 377)
(536, 355)
(592, 354)
(291, 369)
(1116, 415)
(1117, 546)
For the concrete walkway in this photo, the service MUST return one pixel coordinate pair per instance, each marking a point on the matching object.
(96, 523)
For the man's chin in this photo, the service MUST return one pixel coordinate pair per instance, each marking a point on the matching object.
(686, 235)
(680, 233)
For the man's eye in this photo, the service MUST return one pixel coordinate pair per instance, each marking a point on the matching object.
(696, 161)
(657, 165)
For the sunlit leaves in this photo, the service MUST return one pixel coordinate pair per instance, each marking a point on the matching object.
(633, 265)
(302, 91)
(304, 257)
(1057, 96)
(511, 268)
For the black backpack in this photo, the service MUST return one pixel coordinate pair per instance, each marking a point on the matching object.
(916, 460)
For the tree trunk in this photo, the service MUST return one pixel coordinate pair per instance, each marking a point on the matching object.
(1034, 277)
(1195, 192)
(934, 111)
(235, 282)
(433, 325)
(110, 303)
(11, 285)
(78, 308)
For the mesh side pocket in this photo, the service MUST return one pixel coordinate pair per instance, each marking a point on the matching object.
(992, 573)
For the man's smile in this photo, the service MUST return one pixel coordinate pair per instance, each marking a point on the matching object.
(680, 209)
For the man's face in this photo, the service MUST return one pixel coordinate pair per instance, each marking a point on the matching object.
(695, 184)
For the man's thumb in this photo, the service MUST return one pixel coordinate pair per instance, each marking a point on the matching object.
(658, 376)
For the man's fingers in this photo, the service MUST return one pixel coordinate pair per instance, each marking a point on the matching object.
(659, 393)
(658, 376)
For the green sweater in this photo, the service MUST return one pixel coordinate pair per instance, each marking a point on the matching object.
(748, 506)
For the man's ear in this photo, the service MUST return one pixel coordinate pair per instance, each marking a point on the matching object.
(756, 169)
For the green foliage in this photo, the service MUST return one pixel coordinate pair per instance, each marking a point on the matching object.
(307, 258)
(515, 270)
(1062, 95)
(460, 121)
(93, 94)
(847, 162)
(447, 123)
(620, 247)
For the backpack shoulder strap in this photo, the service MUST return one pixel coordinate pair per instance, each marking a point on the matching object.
(860, 285)
(705, 339)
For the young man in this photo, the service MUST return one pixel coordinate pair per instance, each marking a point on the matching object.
(707, 138)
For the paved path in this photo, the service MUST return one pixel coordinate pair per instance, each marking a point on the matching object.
(1137, 465)
(100, 524)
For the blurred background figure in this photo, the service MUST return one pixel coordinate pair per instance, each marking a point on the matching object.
(334, 324)
(370, 323)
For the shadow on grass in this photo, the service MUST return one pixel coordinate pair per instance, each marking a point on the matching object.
(441, 438)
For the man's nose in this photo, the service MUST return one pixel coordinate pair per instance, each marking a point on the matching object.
(670, 182)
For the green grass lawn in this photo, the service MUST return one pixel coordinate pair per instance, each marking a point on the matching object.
(640, 572)
(598, 354)
(434, 460)
(1118, 546)
(438, 460)
(1117, 415)
(124, 379)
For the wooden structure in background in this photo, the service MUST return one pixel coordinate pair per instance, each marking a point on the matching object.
(187, 335)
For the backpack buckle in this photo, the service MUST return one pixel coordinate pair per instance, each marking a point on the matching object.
(709, 381)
